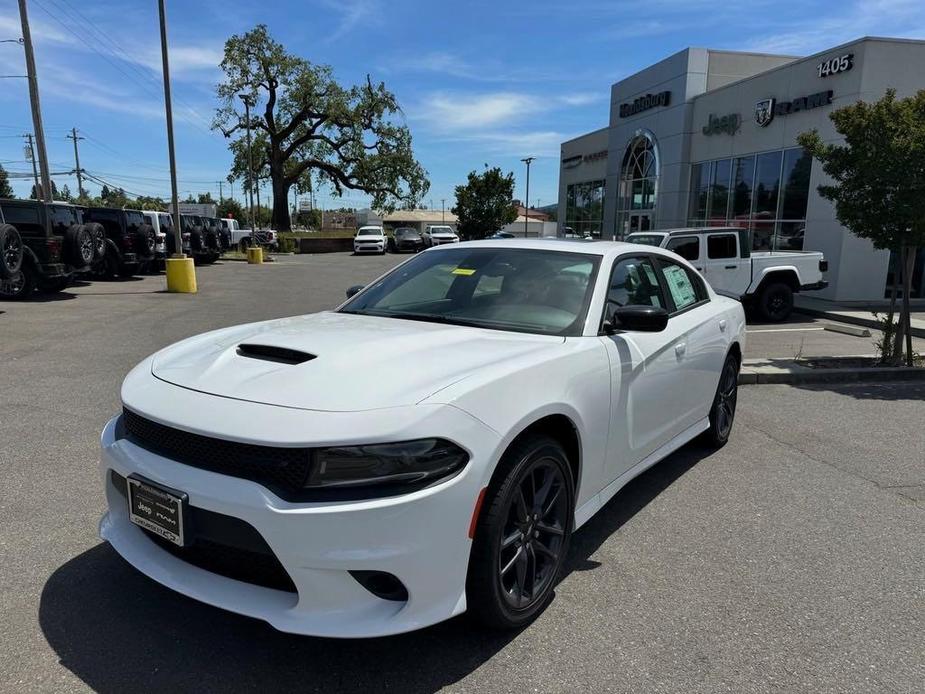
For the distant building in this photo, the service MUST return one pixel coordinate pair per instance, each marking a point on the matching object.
(416, 219)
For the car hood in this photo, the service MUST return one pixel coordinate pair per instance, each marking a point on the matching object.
(351, 362)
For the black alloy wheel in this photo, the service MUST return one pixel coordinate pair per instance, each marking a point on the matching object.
(522, 535)
(98, 234)
(722, 413)
(776, 302)
(11, 251)
(20, 286)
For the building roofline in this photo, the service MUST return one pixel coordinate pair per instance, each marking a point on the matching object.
(584, 135)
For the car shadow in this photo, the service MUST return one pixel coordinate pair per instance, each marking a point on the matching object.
(883, 390)
(40, 297)
(114, 628)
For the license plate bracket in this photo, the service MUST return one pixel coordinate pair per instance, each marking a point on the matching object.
(158, 509)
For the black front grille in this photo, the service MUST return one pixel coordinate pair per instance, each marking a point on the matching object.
(283, 469)
(223, 545)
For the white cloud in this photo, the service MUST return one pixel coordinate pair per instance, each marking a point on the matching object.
(449, 111)
(583, 98)
(353, 13)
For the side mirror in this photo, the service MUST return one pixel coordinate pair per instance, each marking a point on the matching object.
(647, 319)
(354, 290)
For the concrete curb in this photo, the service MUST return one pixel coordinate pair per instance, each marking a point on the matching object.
(853, 320)
(796, 374)
(847, 329)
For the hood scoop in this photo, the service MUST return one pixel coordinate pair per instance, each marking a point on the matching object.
(280, 355)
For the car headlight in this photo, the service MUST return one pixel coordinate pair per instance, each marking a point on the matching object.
(408, 463)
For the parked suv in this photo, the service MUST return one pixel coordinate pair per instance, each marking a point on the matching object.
(130, 242)
(202, 246)
(212, 232)
(11, 251)
(55, 245)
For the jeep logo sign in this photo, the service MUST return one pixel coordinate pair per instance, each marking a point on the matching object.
(644, 103)
(728, 124)
(766, 109)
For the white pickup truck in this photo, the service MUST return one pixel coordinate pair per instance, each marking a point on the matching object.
(766, 280)
(242, 238)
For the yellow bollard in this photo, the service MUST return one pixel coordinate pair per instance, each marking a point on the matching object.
(181, 275)
(254, 255)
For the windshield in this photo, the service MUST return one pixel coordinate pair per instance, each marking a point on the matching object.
(646, 239)
(441, 230)
(405, 232)
(519, 289)
(369, 232)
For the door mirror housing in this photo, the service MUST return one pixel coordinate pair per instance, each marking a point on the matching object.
(646, 319)
(354, 290)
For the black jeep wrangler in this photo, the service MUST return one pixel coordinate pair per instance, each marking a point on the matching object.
(55, 244)
(204, 243)
(130, 243)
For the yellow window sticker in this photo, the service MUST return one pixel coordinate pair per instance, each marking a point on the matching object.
(464, 271)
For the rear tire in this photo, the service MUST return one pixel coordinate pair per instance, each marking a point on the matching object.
(723, 410)
(20, 286)
(522, 535)
(776, 302)
(11, 251)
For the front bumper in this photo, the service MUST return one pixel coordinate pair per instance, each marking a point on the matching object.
(421, 537)
(369, 248)
(443, 242)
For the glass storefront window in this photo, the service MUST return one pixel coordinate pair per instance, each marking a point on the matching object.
(797, 166)
(584, 207)
(767, 185)
(766, 193)
(719, 190)
(742, 191)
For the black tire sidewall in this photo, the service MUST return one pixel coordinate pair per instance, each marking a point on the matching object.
(767, 296)
(28, 287)
(484, 598)
(714, 436)
(7, 271)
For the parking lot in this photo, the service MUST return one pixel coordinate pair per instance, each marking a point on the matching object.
(790, 560)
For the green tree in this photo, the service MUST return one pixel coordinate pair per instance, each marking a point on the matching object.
(877, 172)
(304, 123)
(483, 204)
(66, 194)
(148, 202)
(55, 195)
(6, 190)
(206, 199)
(114, 197)
(310, 219)
(229, 207)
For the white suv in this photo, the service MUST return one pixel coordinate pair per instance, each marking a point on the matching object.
(370, 239)
(438, 234)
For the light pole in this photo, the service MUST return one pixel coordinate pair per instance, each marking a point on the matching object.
(250, 161)
(527, 161)
(443, 210)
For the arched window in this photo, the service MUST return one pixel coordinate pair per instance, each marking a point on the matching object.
(638, 184)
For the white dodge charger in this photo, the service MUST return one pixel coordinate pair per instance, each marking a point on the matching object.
(425, 449)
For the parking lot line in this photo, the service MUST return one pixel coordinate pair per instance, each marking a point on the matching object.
(785, 330)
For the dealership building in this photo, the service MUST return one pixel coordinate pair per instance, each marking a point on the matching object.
(708, 137)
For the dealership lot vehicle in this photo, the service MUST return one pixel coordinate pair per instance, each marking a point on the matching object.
(11, 251)
(427, 454)
(130, 244)
(763, 279)
(370, 239)
(407, 239)
(439, 234)
(53, 243)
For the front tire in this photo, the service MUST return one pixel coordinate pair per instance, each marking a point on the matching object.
(522, 535)
(20, 286)
(723, 410)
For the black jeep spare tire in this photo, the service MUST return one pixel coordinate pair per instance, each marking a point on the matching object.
(79, 245)
(146, 240)
(11, 251)
(99, 239)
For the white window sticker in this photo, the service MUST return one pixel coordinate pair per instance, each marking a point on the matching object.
(680, 286)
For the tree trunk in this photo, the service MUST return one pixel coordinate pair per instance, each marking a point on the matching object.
(907, 290)
(901, 326)
(281, 220)
(886, 357)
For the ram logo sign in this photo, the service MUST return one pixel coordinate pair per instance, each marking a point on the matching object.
(764, 112)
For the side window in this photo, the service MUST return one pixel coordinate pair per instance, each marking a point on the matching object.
(21, 215)
(685, 288)
(688, 247)
(633, 282)
(721, 246)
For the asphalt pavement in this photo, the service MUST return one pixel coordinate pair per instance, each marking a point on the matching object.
(790, 560)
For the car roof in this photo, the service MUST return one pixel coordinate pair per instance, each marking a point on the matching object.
(687, 230)
(601, 248)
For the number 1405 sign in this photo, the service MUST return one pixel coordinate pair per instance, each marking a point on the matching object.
(834, 66)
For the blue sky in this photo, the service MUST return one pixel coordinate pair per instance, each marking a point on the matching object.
(479, 82)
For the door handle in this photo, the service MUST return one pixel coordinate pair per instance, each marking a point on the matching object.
(680, 349)
(731, 267)
(699, 269)
(722, 325)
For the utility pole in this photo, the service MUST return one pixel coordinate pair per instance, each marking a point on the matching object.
(443, 210)
(35, 171)
(80, 183)
(527, 161)
(220, 196)
(43, 193)
(174, 197)
(250, 160)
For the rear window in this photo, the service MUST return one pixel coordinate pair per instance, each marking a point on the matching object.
(646, 239)
(134, 218)
(721, 246)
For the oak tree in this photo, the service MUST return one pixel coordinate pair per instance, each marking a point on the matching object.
(484, 204)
